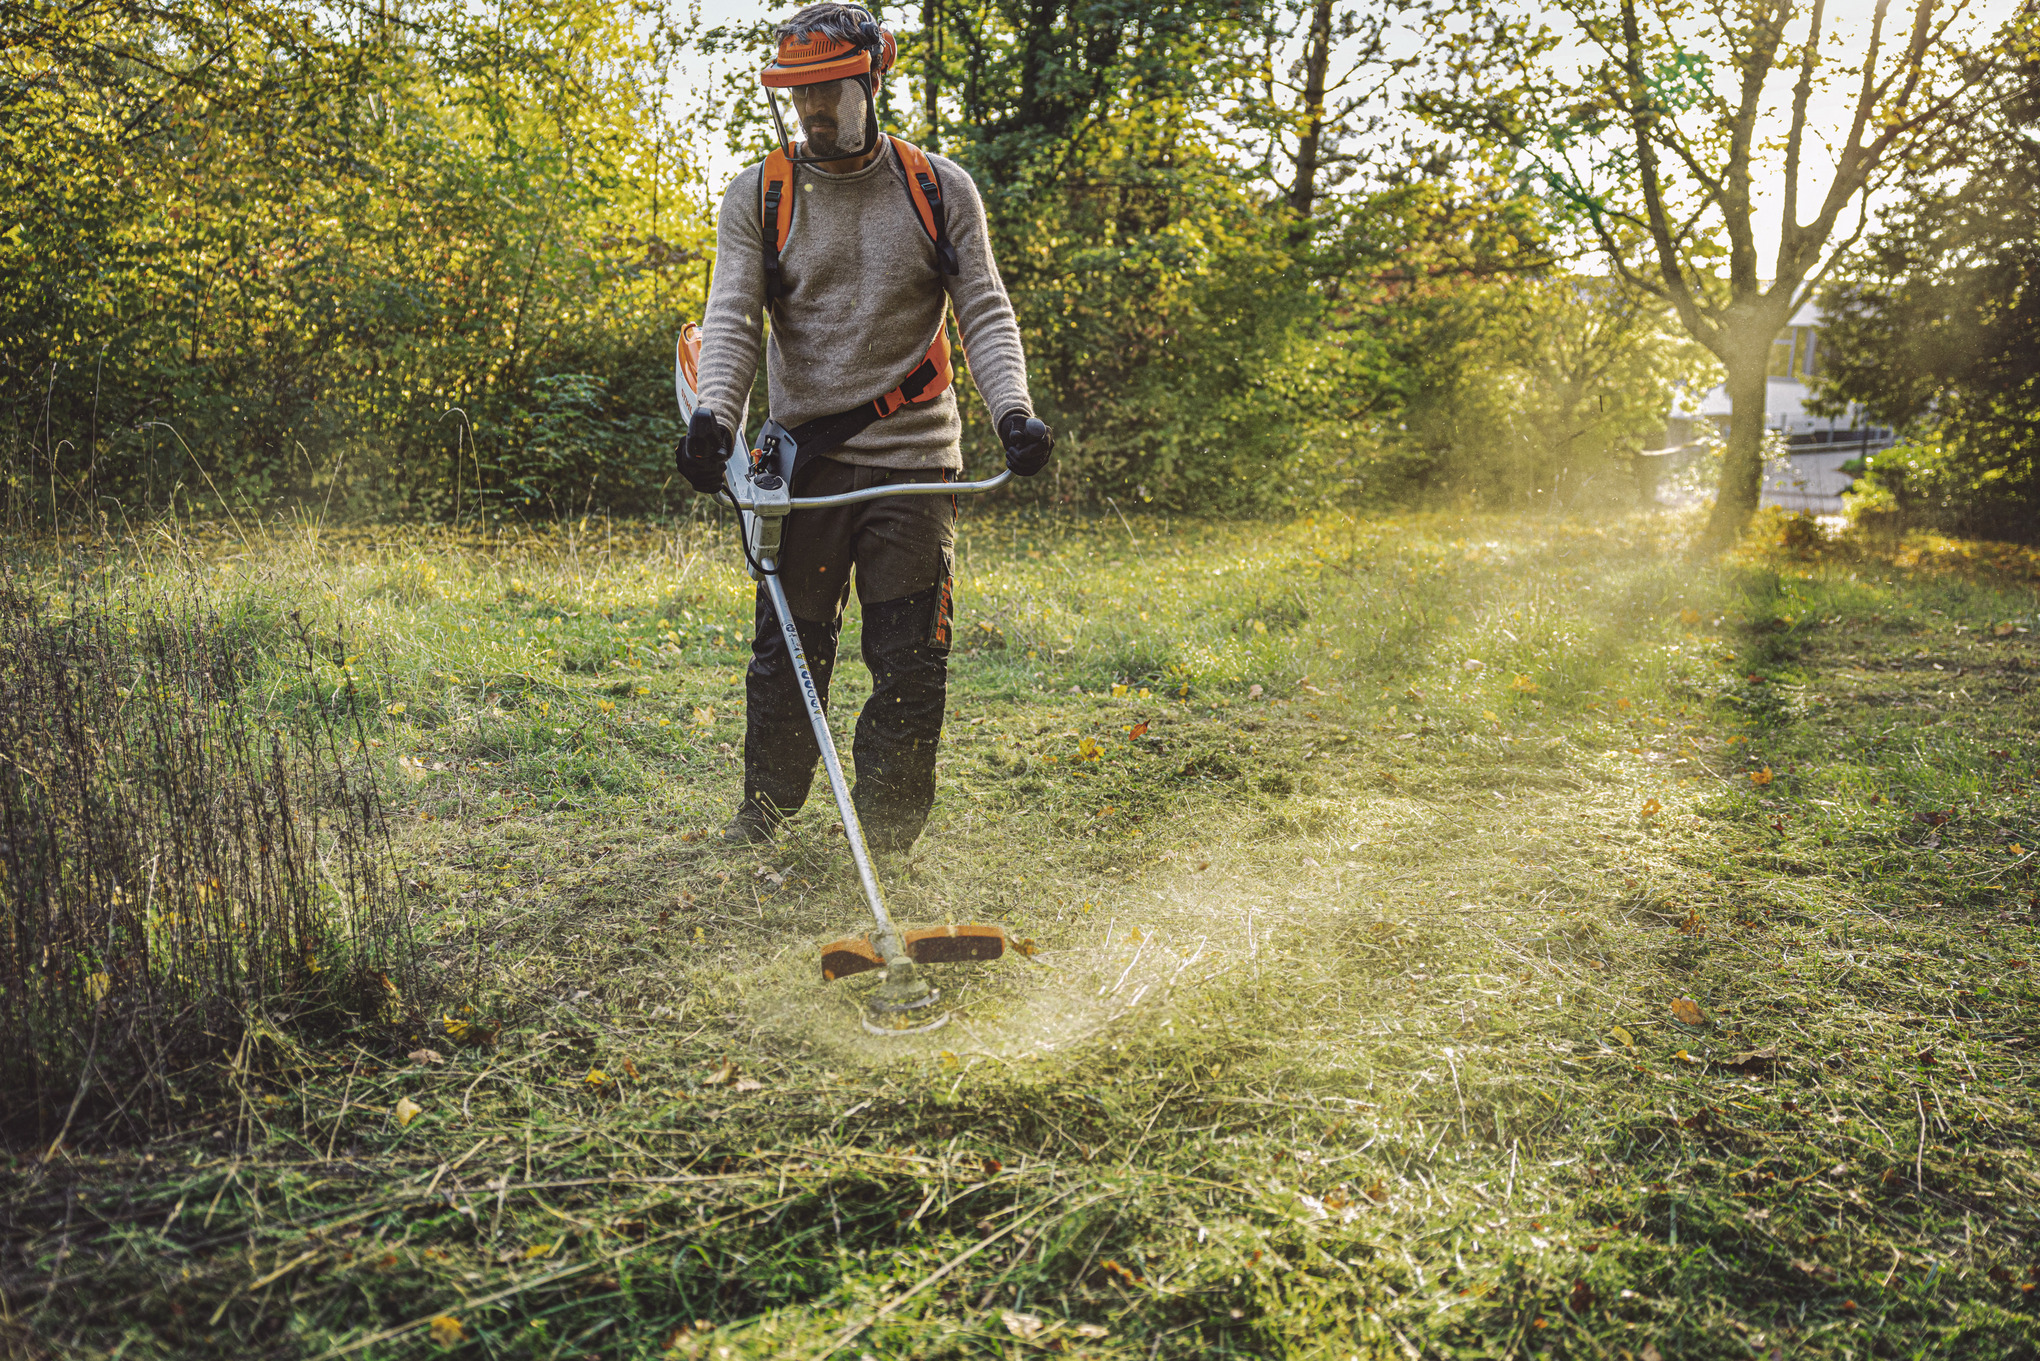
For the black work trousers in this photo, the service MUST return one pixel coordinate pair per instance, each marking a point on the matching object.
(901, 553)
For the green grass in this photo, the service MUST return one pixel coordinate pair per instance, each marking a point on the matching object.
(1351, 1030)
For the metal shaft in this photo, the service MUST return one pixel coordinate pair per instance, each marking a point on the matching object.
(887, 939)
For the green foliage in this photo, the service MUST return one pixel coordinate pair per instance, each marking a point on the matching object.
(266, 250)
(1937, 326)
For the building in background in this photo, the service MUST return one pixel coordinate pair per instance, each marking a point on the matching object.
(1817, 448)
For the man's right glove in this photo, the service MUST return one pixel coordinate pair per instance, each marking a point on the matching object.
(1028, 443)
(702, 454)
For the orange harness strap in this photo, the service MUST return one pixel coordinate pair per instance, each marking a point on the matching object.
(933, 375)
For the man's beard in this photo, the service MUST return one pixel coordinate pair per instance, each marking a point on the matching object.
(825, 136)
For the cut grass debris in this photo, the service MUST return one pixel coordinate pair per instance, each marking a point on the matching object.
(1449, 937)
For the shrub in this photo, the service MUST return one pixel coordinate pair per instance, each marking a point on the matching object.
(178, 866)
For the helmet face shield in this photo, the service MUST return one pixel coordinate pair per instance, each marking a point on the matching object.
(825, 120)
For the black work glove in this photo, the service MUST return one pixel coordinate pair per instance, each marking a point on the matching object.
(1028, 443)
(702, 454)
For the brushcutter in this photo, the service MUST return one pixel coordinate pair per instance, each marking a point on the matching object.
(757, 481)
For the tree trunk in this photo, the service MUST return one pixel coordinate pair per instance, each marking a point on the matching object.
(1316, 62)
(1742, 471)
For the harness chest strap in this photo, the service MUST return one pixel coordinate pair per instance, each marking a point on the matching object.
(933, 375)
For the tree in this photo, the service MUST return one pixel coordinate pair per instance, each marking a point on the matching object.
(1934, 326)
(1656, 146)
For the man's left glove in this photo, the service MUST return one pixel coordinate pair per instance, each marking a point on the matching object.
(702, 454)
(1028, 443)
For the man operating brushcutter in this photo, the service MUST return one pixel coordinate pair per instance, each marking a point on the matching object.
(855, 244)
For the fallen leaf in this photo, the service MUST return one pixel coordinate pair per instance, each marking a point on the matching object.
(1686, 1058)
(1650, 1353)
(1026, 1327)
(1377, 1193)
(1761, 776)
(1686, 1011)
(1689, 617)
(414, 770)
(538, 1250)
(1582, 1297)
(447, 1330)
(1814, 1269)
(1026, 947)
(425, 1056)
(407, 1111)
(747, 1084)
(1136, 732)
(1254, 692)
(1524, 684)
(726, 1073)
(1651, 808)
(1932, 818)
(1755, 1058)
(1088, 749)
(1121, 1272)
(596, 1078)
(1621, 1035)
(1091, 1330)
(993, 1167)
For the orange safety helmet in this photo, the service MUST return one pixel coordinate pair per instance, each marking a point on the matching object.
(812, 57)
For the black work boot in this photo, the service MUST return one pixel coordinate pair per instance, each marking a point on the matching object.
(906, 645)
(779, 742)
(750, 825)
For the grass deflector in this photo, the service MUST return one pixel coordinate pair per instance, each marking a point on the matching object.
(758, 484)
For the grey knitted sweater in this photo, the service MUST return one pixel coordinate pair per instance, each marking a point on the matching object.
(864, 299)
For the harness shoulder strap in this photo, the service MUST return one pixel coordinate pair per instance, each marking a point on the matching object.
(776, 214)
(924, 189)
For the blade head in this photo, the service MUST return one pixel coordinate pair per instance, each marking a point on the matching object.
(955, 944)
(842, 958)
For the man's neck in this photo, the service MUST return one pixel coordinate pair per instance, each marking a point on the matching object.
(849, 165)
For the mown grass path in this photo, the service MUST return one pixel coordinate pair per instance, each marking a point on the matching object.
(1455, 938)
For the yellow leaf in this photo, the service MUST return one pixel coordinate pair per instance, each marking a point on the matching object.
(394, 709)
(726, 1073)
(704, 716)
(1761, 776)
(1621, 1035)
(1686, 1011)
(949, 1060)
(407, 1111)
(596, 1078)
(1489, 715)
(97, 986)
(1524, 684)
(538, 1250)
(1622, 704)
(1689, 617)
(1118, 691)
(413, 768)
(1089, 749)
(447, 1330)
(1651, 808)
